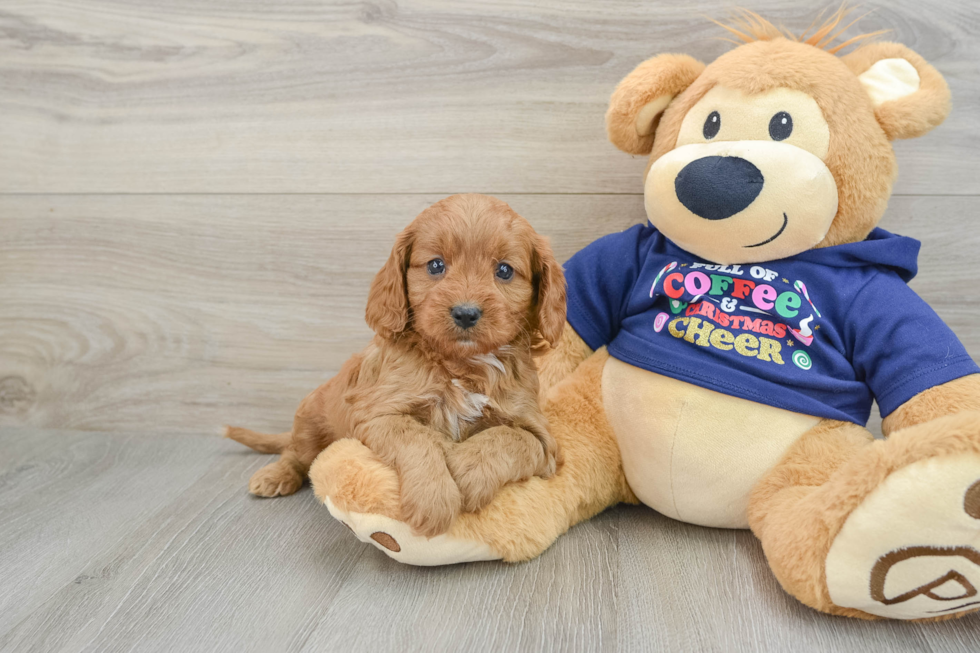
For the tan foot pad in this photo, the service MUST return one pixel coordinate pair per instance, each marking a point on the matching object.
(911, 550)
(396, 539)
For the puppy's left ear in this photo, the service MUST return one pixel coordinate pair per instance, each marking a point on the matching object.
(549, 287)
(909, 96)
(387, 306)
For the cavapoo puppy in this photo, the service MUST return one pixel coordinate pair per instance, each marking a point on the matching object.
(446, 393)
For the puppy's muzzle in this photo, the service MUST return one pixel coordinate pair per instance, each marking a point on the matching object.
(718, 187)
(465, 315)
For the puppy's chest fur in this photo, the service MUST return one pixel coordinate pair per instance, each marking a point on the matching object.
(456, 400)
(466, 403)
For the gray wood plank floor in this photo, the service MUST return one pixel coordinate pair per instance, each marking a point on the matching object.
(194, 196)
(119, 542)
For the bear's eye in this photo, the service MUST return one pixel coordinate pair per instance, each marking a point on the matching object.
(781, 126)
(711, 125)
(436, 267)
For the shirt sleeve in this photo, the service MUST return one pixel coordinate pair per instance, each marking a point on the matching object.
(901, 346)
(600, 278)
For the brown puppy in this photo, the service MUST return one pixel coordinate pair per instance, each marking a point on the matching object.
(446, 393)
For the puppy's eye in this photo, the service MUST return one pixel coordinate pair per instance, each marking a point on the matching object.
(781, 126)
(712, 125)
(435, 267)
(504, 272)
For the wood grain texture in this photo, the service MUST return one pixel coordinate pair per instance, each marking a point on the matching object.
(686, 588)
(194, 197)
(156, 314)
(191, 562)
(125, 543)
(180, 313)
(432, 96)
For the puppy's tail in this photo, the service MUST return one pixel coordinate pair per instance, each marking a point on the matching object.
(261, 442)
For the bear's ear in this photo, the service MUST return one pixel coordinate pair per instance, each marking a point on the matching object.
(909, 96)
(640, 99)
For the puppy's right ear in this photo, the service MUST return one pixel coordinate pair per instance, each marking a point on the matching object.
(387, 306)
(550, 292)
(640, 99)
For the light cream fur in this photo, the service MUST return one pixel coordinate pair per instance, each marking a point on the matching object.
(899, 516)
(691, 453)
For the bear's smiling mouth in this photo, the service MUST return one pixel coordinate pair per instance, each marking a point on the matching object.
(774, 236)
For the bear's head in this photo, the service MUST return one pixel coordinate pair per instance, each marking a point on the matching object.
(777, 146)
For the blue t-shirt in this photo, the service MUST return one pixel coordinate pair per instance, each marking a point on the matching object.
(823, 333)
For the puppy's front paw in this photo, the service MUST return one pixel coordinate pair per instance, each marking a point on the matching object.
(476, 483)
(430, 507)
(553, 459)
(274, 480)
(478, 490)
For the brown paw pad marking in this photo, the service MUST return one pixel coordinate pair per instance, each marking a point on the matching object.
(971, 503)
(387, 541)
(887, 561)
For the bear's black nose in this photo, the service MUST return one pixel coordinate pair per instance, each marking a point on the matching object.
(465, 315)
(718, 187)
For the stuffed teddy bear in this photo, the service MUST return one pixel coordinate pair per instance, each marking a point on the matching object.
(720, 362)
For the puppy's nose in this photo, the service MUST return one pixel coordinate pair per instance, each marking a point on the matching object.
(465, 315)
(718, 187)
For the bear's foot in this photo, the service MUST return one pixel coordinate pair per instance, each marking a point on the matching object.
(362, 492)
(396, 539)
(877, 529)
(911, 549)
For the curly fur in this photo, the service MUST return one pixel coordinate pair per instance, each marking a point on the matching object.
(454, 411)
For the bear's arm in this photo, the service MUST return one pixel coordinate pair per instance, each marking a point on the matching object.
(954, 396)
(560, 361)
(914, 364)
(600, 278)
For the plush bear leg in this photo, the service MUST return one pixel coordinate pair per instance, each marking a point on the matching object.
(871, 529)
(522, 520)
